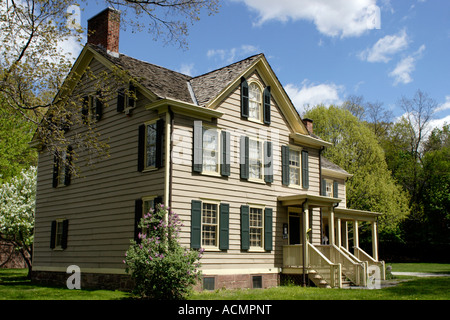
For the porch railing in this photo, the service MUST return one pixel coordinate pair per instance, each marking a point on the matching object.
(371, 262)
(315, 260)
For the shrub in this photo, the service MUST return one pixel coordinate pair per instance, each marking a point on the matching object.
(160, 267)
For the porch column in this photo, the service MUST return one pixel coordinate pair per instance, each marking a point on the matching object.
(345, 235)
(331, 226)
(305, 240)
(338, 235)
(374, 241)
(355, 234)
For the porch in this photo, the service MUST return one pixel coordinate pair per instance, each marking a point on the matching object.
(330, 263)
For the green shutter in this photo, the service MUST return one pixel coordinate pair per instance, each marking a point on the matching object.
(245, 227)
(267, 105)
(141, 148)
(196, 224)
(120, 100)
(197, 159)
(159, 157)
(55, 171)
(268, 162)
(323, 187)
(53, 235)
(244, 157)
(268, 213)
(335, 189)
(65, 234)
(85, 109)
(244, 98)
(224, 212)
(285, 165)
(226, 155)
(305, 169)
(67, 174)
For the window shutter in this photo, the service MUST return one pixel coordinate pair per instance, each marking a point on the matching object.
(158, 200)
(85, 109)
(224, 226)
(335, 189)
(65, 234)
(244, 157)
(245, 227)
(55, 171)
(159, 161)
(53, 235)
(141, 148)
(120, 100)
(268, 217)
(196, 224)
(244, 98)
(305, 169)
(98, 108)
(267, 105)
(268, 162)
(323, 186)
(226, 155)
(137, 217)
(197, 165)
(285, 165)
(67, 174)
(131, 92)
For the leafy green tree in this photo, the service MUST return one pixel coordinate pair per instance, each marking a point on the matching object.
(17, 208)
(356, 149)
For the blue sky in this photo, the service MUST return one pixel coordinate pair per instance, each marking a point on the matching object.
(321, 50)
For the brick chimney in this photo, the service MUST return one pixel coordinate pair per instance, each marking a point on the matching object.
(104, 29)
(308, 124)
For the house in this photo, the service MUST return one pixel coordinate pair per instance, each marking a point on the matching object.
(227, 151)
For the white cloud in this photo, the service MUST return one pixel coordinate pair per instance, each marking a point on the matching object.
(445, 105)
(403, 69)
(345, 18)
(231, 55)
(385, 48)
(187, 69)
(311, 95)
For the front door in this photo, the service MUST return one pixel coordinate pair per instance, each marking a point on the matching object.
(295, 230)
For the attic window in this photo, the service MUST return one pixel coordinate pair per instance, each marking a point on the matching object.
(254, 110)
(126, 99)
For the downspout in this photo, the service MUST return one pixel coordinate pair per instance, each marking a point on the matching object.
(172, 120)
(167, 159)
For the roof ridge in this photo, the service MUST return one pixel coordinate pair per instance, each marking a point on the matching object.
(227, 66)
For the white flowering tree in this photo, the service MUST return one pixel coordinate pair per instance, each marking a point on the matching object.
(17, 207)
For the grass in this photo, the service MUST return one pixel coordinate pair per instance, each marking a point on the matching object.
(15, 286)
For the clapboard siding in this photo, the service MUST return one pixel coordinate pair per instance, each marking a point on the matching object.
(189, 186)
(100, 202)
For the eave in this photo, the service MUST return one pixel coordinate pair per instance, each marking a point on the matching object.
(312, 200)
(335, 174)
(309, 140)
(184, 108)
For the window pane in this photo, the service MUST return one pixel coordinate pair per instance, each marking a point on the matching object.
(209, 224)
(294, 167)
(210, 150)
(151, 145)
(254, 101)
(59, 232)
(256, 227)
(148, 204)
(255, 159)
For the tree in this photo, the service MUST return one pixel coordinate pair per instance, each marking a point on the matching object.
(17, 207)
(33, 68)
(356, 149)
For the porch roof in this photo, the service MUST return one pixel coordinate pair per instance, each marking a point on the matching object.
(312, 200)
(353, 214)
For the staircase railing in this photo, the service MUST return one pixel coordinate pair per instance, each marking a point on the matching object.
(363, 256)
(360, 266)
(330, 272)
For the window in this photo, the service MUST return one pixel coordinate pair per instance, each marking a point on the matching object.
(61, 168)
(294, 167)
(256, 227)
(148, 203)
(255, 159)
(328, 188)
(150, 145)
(126, 99)
(254, 110)
(257, 282)
(209, 224)
(59, 232)
(210, 150)
(92, 109)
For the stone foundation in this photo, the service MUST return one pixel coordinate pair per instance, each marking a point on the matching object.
(241, 281)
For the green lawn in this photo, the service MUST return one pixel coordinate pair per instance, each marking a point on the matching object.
(15, 286)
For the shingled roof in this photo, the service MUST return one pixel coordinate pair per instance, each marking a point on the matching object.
(325, 163)
(166, 83)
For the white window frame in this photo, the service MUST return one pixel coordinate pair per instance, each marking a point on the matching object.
(329, 188)
(299, 150)
(217, 151)
(59, 233)
(217, 225)
(261, 160)
(262, 208)
(259, 103)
